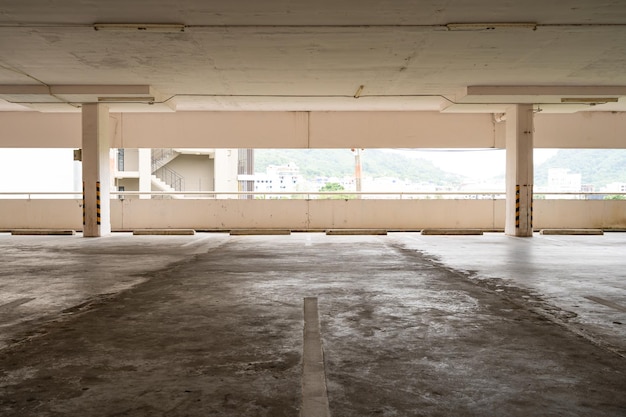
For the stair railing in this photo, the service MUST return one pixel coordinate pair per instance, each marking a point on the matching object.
(171, 178)
(160, 157)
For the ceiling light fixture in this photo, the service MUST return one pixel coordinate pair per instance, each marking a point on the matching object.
(490, 26)
(589, 100)
(359, 91)
(141, 27)
(126, 100)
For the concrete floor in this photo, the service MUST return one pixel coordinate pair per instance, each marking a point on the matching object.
(411, 325)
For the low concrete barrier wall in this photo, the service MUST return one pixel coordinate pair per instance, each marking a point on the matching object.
(311, 214)
(580, 214)
(41, 214)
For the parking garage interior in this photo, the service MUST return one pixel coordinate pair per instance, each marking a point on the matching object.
(250, 307)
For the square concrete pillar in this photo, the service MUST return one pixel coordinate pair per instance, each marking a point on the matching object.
(96, 170)
(519, 170)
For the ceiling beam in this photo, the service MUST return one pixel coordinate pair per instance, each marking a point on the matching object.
(311, 130)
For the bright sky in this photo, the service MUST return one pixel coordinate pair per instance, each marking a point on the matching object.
(474, 163)
(37, 170)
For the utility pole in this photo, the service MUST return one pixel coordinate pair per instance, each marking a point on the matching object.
(357, 170)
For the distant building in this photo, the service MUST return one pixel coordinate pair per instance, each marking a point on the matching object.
(615, 187)
(587, 188)
(278, 178)
(562, 181)
(245, 172)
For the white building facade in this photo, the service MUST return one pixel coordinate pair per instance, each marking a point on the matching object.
(279, 178)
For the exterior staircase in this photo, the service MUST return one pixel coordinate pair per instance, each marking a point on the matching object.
(164, 178)
(161, 185)
(162, 157)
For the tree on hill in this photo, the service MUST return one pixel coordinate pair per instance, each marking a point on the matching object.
(598, 167)
(332, 186)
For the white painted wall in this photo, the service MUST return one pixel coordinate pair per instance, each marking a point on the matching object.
(131, 159)
(197, 170)
(313, 214)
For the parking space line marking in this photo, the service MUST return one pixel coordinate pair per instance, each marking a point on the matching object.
(15, 303)
(196, 241)
(314, 394)
(606, 303)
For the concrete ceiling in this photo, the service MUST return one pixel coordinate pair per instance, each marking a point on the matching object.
(314, 55)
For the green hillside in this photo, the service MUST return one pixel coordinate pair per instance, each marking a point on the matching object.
(596, 166)
(340, 162)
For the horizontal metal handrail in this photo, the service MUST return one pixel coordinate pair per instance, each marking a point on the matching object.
(39, 192)
(308, 193)
(78, 194)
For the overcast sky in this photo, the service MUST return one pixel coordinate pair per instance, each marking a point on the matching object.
(36, 170)
(474, 163)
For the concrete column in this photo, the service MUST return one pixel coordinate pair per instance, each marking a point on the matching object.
(96, 170)
(225, 171)
(145, 171)
(519, 170)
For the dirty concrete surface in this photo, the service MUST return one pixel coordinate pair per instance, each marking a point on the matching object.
(213, 325)
(578, 280)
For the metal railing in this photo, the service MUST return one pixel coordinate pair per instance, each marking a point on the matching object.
(458, 195)
(171, 178)
(160, 157)
(28, 195)
(319, 195)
